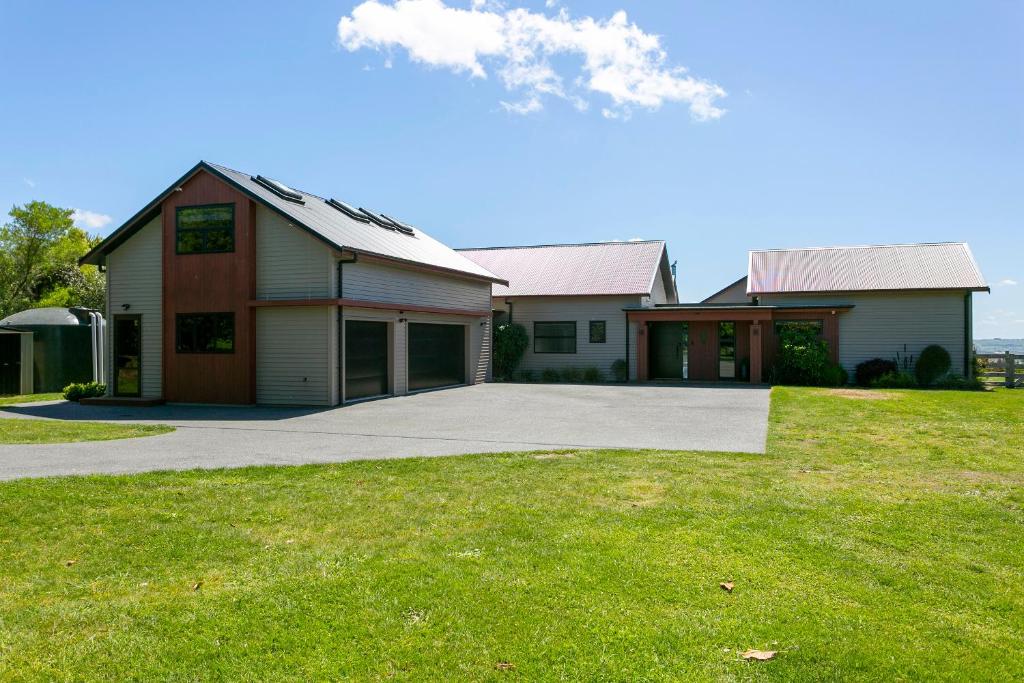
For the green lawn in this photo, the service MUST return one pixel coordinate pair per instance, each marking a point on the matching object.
(881, 538)
(25, 431)
(29, 398)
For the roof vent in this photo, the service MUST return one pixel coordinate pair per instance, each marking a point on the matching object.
(280, 189)
(400, 226)
(348, 210)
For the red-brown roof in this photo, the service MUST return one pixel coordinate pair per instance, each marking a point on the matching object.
(603, 268)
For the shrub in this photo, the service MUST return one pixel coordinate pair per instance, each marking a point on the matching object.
(620, 371)
(895, 380)
(933, 363)
(592, 375)
(835, 375)
(870, 370)
(802, 358)
(510, 342)
(959, 383)
(78, 391)
(572, 375)
(550, 375)
(526, 376)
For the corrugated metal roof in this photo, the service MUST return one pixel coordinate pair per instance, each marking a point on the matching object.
(948, 265)
(325, 222)
(575, 269)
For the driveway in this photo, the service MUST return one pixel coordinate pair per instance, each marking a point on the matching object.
(476, 419)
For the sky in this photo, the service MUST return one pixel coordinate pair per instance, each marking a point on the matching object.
(716, 126)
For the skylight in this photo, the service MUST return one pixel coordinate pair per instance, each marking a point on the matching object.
(348, 210)
(379, 220)
(280, 189)
(402, 227)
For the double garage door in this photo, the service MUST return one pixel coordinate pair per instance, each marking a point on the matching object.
(436, 354)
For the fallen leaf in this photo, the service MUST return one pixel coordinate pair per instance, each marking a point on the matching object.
(727, 586)
(70, 563)
(759, 655)
(197, 585)
(505, 666)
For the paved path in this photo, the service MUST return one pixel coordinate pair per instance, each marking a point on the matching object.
(477, 419)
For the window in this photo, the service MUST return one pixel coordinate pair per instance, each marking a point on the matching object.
(205, 333)
(598, 332)
(206, 229)
(816, 325)
(554, 337)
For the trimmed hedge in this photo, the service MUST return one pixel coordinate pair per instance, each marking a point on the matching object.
(933, 363)
(78, 391)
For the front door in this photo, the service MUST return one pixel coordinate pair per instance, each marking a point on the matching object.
(127, 355)
(10, 364)
(703, 351)
(668, 350)
(726, 350)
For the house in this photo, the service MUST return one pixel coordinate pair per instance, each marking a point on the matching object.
(868, 302)
(233, 288)
(572, 298)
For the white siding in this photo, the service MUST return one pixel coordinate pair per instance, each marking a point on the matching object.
(884, 323)
(135, 277)
(290, 264)
(293, 349)
(582, 309)
(661, 290)
(395, 285)
(736, 293)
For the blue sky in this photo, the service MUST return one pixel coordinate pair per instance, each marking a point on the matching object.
(848, 123)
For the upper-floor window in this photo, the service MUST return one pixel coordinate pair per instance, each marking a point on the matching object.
(205, 333)
(208, 229)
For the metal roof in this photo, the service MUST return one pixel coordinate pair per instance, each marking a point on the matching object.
(601, 268)
(313, 214)
(947, 265)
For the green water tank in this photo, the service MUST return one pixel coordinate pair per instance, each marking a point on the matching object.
(62, 345)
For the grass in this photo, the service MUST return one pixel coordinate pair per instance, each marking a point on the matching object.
(879, 538)
(28, 431)
(29, 398)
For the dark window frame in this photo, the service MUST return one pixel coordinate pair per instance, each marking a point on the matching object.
(604, 332)
(203, 232)
(575, 335)
(178, 346)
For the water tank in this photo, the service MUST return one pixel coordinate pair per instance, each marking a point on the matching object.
(62, 345)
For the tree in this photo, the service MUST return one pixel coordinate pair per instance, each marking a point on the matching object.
(39, 252)
(510, 342)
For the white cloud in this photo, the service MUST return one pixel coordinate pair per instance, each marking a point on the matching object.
(619, 60)
(90, 219)
(1007, 282)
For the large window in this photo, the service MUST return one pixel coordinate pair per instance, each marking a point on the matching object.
(205, 333)
(554, 337)
(598, 332)
(206, 229)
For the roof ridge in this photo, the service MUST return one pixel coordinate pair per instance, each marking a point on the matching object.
(862, 246)
(565, 244)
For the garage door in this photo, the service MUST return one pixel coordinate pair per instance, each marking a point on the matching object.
(437, 355)
(366, 359)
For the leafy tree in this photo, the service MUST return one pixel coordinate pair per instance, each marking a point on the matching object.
(39, 252)
(510, 342)
(803, 358)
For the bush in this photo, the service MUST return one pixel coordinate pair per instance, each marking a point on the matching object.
(549, 375)
(959, 383)
(802, 358)
(572, 375)
(78, 391)
(933, 364)
(835, 375)
(895, 380)
(870, 370)
(525, 376)
(592, 375)
(510, 342)
(620, 371)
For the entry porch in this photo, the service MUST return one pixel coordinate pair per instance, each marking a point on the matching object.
(723, 342)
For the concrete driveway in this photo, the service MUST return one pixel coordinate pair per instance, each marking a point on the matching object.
(476, 419)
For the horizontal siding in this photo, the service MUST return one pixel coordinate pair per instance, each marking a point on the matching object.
(134, 277)
(387, 284)
(884, 323)
(582, 309)
(735, 293)
(290, 264)
(293, 355)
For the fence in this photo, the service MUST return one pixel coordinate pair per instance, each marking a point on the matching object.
(1002, 368)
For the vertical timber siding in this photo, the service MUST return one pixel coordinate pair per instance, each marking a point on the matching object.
(134, 278)
(293, 349)
(883, 323)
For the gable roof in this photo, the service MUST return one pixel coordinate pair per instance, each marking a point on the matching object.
(946, 265)
(314, 215)
(602, 268)
(735, 292)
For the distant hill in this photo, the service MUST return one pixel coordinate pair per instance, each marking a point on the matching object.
(999, 345)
